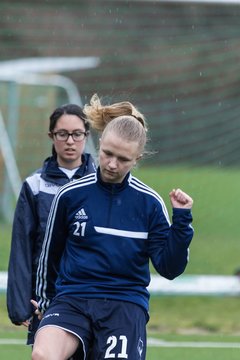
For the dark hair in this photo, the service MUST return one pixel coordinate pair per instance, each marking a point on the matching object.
(70, 109)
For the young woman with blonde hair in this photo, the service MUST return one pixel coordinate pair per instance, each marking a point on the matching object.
(102, 231)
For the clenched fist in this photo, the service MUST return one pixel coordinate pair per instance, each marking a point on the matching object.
(180, 199)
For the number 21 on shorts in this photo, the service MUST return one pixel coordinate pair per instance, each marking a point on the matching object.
(112, 343)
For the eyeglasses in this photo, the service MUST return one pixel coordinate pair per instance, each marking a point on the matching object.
(64, 135)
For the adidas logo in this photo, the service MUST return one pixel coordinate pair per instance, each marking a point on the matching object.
(81, 215)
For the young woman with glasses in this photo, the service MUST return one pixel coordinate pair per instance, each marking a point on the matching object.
(68, 131)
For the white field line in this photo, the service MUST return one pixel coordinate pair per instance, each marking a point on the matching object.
(156, 343)
(191, 344)
(184, 285)
(12, 342)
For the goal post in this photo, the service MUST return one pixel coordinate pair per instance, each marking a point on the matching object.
(11, 177)
(12, 141)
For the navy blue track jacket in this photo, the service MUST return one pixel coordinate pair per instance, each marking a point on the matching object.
(100, 237)
(30, 219)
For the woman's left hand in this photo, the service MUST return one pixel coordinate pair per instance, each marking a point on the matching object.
(179, 199)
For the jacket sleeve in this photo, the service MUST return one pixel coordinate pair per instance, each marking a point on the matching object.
(169, 245)
(52, 250)
(19, 286)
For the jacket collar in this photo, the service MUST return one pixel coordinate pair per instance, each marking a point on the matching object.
(52, 173)
(113, 188)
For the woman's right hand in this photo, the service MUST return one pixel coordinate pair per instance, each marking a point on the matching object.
(37, 312)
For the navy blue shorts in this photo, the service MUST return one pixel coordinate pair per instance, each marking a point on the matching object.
(106, 328)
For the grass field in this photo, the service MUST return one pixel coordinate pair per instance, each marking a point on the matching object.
(214, 250)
